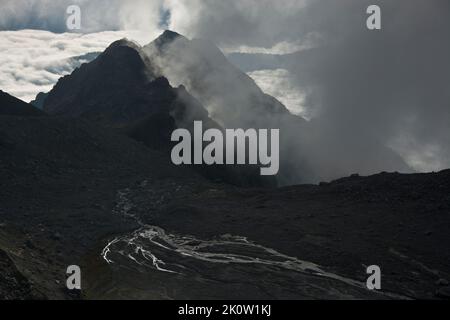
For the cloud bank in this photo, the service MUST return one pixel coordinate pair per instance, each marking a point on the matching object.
(32, 61)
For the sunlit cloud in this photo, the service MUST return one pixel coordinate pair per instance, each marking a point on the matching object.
(32, 61)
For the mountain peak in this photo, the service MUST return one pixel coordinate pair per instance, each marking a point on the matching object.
(170, 35)
(124, 43)
(120, 68)
(166, 38)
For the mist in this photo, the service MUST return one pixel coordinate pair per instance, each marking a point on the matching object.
(390, 85)
(310, 152)
(393, 84)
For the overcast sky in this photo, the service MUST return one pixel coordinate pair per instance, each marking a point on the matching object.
(395, 82)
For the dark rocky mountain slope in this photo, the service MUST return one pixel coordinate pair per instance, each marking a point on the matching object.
(12, 106)
(59, 179)
(69, 188)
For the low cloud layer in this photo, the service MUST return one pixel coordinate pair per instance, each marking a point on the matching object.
(32, 61)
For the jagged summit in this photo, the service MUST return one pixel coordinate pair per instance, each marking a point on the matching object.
(110, 84)
(124, 42)
(118, 89)
(125, 51)
(209, 76)
(167, 37)
(165, 43)
(169, 34)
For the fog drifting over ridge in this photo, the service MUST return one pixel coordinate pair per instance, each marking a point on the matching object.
(395, 83)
